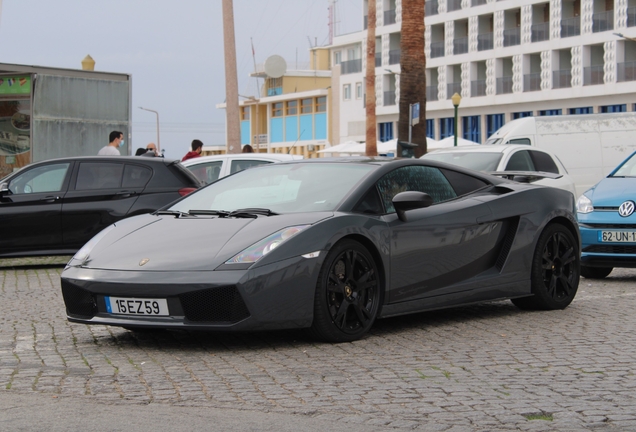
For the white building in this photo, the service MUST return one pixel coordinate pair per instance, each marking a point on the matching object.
(507, 59)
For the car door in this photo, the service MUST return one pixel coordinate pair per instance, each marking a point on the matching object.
(30, 210)
(101, 193)
(442, 245)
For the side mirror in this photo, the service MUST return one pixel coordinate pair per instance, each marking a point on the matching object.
(4, 188)
(410, 200)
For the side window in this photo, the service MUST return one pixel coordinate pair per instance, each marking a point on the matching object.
(520, 161)
(462, 183)
(414, 178)
(524, 141)
(99, 175)
(136, 176)
(370, 204)
(240, 165)
(207, 172)
(543, 162)
(48, 178)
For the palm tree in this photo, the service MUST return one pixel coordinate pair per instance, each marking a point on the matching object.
(371, 133)
(412, 73)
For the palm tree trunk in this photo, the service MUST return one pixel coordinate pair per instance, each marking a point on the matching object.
(412, 74)
(371, 133)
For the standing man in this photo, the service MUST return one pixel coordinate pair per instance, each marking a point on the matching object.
(112, 149)
(151, 150)
(197, 148)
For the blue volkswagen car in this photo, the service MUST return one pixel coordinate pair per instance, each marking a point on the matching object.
(608, 223)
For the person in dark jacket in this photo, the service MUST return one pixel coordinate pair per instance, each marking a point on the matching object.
(197, 148)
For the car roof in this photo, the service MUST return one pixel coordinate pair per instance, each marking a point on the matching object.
(243, 156)
(497, 148)
(137, 159)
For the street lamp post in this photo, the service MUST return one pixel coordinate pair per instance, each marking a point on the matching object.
(456, 100)
(158, 145)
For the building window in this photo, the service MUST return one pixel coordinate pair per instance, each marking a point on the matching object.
(277, 109)
(305, 106)
(321, 104)
(552, 112)
(430, 128)
(493, 123)
(521, 114)
(613, 108)
(358, 90)
(584, 110)
(385, 132)
(292, 107)
(274, 86)
(245, 113)
(346, 91)
(446, 127)
(471, 128)
(337, 57)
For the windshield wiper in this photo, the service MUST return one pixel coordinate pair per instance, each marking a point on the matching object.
(252, 212)
(174, 213)
(219, 213)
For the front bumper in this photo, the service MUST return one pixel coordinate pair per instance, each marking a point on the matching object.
(276, 296)
(595, 253)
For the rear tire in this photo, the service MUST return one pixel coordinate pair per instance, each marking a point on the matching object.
(555, 270)
(347, 294)
(595, 272)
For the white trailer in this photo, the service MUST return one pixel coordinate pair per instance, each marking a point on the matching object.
(589, 145)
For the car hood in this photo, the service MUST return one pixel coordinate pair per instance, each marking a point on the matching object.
(168, 243)
(612, 191)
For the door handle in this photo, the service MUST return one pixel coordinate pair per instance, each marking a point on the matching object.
(50, 198)
(124, 194)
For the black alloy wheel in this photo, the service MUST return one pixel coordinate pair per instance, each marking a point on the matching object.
(347, 294)
(555, 270)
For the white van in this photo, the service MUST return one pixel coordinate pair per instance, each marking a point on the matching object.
(589, 145)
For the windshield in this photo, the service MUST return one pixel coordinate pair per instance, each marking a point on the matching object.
(479, 161)
(627, 169)
(280, 188)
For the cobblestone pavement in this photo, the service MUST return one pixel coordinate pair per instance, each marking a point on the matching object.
(484, 367)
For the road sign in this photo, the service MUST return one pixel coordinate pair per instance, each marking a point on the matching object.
(415, 113)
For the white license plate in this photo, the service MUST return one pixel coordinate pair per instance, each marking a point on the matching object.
(617, 236)
(136, 306)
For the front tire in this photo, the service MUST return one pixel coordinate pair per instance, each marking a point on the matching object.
(347, 294)
(595, 272)
(555, 270)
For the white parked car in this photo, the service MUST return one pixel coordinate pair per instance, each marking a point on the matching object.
(508, 157)
(211, 168)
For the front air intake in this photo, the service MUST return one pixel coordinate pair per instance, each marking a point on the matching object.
(79, 302)
(221, 305)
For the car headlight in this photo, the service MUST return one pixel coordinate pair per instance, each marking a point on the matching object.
(81, 256)
(584, 205)
(260, 249)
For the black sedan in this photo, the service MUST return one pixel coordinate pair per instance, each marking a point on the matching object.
(54, 207)
(329, 245)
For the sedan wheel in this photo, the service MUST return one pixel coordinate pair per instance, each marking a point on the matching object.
(347, 294)
(555, 270)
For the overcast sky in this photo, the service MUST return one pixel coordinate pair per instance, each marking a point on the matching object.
(173, 49)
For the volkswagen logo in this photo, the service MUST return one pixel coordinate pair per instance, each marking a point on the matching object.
(145, 260)
(626, 209)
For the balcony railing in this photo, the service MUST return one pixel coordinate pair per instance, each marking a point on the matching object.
(626, 71)
(389, 17)
(562, 78)
(593, 75)
(453, 5)
(631, 17)
(431, 93)
(512, 36)
(478, 88)
(532, 82)
(603, 21)
(389, 98)
(571, 27)
(484, 41)
(460, 45)
(437, 49)
(351, 66)
(431, 7)
(540, 32)
(504, 85)
(394, 56)
(452, 88)
(474, 3)
(378, 59)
